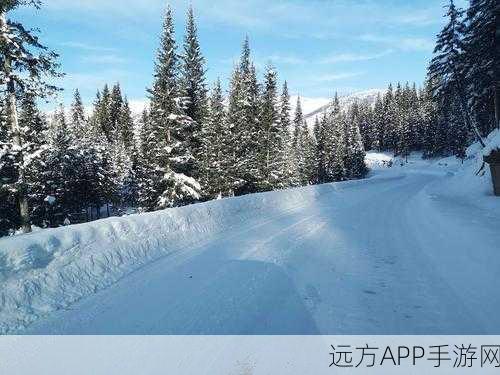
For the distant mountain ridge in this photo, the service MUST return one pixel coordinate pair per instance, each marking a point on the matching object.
(367, 96)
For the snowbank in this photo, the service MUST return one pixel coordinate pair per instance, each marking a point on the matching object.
(471, 181)
(51, 269)
(379, 160)
(468, 181)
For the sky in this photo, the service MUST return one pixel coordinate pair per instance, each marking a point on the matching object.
(319, 46)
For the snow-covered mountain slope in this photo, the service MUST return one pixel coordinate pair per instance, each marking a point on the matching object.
(368, 96)
(413, 249)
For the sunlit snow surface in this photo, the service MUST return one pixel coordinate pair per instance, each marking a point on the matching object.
(413, 249)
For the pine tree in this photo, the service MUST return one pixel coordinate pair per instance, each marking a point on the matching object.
(428, 120)
(304, 149)
(354, 154)
(98, 150)
(170, 143)
(309, 168)
(321, 149)
(9, 213)
(378, 124)
(33, 127)
(298, 144)
(243, 119)
(26, 66)
(389, 119)
(192, 81)
(446, 70)
(102, 112)
(62, 176)
(114, 113)
(127, 126)
(335, 135)
(403, 145)
(78, 120)
(270, 135)
(215, 175)
(289, 168)
(481, 58)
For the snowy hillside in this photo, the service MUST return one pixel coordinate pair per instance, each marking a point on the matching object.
(415, 241)
(368, 96)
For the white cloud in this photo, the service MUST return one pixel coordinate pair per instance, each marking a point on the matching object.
(109, 59)
(93, 81)
(286, 59)
(86, 47)
(317, 19)
(353, 57)
(338, 76)
(401, 43)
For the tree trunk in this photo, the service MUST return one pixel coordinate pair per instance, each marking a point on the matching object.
(15, 132)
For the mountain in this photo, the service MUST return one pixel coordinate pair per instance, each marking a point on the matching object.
(368, 96)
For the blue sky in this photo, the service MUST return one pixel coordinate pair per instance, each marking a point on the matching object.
(318, 46)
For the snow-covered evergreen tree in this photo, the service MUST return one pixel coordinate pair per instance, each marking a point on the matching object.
(354, 161)
(481, 61)
(289, 167)
(127, 126)
(270, 135)
(169, 143)
(78, 119)
(335, 135)
(192, 82)
(243, 116)
(216, 138)
(26, 67)
(114, 112)
(447, 68)
(62, 178)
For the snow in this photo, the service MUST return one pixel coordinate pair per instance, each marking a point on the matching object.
(345, 101)
(379, 160)
(50, 199)
(413, 249)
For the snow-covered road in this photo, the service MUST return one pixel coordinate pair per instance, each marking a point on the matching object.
(380, 256)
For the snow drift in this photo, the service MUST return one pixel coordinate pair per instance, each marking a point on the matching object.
(49, 270)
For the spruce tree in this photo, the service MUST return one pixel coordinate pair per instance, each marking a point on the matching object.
(192, 80)
(78, 119)
(114, 112)
(321, 149)
(446, 70)
(127, 126)
(270, 135)
(26, 68)
(289, 168)
(378, 124)
(354, 161)
(62, 177)
(216, 139)
(33, 134)
(335, 135)
(298, 144)
(173, 165)
(482, 53)
(243, 119)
